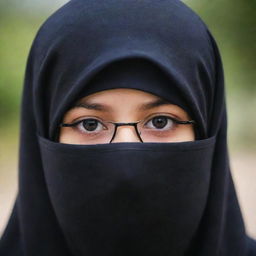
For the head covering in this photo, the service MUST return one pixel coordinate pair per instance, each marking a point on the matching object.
(124, 198)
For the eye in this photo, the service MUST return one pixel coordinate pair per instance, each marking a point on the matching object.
(161, 123)
(89, 125)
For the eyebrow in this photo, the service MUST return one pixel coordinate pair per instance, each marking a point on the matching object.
(105, 108)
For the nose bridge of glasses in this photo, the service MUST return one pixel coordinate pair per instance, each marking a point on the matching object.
(126, 132)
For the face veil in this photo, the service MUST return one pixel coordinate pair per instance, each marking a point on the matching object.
(124, 198)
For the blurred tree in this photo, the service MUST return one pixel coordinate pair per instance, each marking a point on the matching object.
(233, 24)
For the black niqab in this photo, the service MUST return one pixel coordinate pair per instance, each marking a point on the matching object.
(124, 198)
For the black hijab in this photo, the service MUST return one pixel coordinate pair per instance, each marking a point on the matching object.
(124, 198)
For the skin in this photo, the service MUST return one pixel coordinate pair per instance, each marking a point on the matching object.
(125, 105)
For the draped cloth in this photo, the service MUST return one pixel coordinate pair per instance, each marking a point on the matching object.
(124, 198)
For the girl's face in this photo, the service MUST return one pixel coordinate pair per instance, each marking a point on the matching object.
(91, 116)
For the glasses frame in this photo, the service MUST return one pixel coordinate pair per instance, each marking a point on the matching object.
(134, 124)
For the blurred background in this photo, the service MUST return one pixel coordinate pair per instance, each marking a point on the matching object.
(233, 24)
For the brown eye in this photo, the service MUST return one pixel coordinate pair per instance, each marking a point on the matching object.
(160, 123)
(90, 124)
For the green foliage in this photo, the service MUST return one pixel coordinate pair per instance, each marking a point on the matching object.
(17, 33)
(233, 24)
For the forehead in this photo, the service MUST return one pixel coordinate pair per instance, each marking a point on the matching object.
(122, 100)
(125, 102)
(127, 94)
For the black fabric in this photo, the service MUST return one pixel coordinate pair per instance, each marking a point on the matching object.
(124, 198)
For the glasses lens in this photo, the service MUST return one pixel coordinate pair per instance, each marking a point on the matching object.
(96, 132)
(158, 129)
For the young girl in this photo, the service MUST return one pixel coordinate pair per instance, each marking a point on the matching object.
(123, 145)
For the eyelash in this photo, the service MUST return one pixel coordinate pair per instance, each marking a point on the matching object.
(169, 118)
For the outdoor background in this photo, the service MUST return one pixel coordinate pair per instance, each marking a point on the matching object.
(233, 24)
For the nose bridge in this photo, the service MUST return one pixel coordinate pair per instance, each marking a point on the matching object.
(126, 133)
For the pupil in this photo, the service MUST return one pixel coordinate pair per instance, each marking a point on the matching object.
(159, 122)
(90, 125)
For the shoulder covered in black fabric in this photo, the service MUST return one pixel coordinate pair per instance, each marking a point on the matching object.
(252, 246)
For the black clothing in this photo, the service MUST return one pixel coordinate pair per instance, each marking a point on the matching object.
(124, 198)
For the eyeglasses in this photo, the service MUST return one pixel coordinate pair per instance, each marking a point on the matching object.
(157, 128)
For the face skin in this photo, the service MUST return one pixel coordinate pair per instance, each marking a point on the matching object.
(126, 105)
